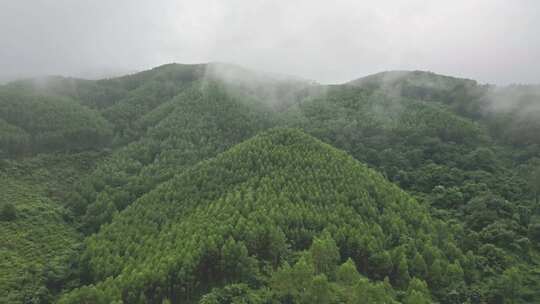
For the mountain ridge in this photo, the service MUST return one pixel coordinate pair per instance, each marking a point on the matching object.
(206, 65)
(466, 152)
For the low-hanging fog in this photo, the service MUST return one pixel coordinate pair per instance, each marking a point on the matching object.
(492, 41)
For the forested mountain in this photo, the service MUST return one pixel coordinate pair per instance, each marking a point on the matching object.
(181, 184)
(32, 123)
(246, 212)
(195, 125)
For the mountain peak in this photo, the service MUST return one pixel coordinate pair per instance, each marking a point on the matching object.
(418, 78)
(274, 191)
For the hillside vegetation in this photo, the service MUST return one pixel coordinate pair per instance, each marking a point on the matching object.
(39, 241)
(211, 183)
(232, 219)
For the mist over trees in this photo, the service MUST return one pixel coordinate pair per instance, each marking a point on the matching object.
(217, 184)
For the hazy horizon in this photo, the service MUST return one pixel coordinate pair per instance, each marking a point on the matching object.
(494, 42)
(106, 74)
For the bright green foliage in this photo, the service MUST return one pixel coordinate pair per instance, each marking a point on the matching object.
(436, 274)
(428, 134)
(347, 274)
(418, 266)
(270, 195)
(402, 273)
(325, 255)
(291, 282)
(319, 291)
(37, 245)
(233, 294)
(300, 284)
(417, 293)
(195, 125)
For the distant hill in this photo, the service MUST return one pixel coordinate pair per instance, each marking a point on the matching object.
(512, 113)
(35, 123)
(428, 80)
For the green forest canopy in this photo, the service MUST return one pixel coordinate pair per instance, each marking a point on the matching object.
(147, 188)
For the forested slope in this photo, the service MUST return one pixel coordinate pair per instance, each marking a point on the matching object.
(36, 123)
(447, 160)
(237, 218)
(197, 124)
(80, 157)
(39, 243)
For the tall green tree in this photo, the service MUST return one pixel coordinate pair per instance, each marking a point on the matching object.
(325, 254)
(418, 266)
(319, 292)
(510, 285)
(347, 273)
(417, 293)
(402, 273)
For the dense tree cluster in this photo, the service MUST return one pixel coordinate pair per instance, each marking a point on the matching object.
(37, 245)
(447, 161)
(30, 124)
(147, 189)
(195, 125)
(236, 218)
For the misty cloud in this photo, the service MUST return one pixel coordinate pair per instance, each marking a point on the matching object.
(491, 41)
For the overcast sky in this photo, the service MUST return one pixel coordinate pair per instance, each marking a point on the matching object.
(494, 41)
